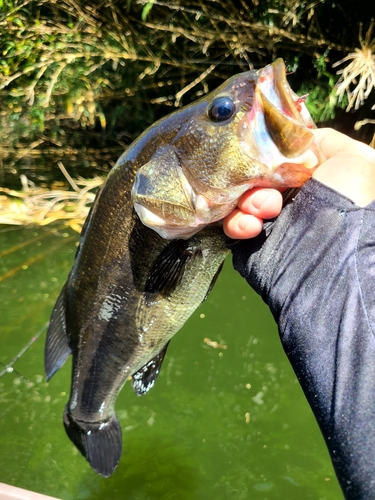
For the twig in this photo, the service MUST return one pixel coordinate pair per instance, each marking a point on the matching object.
(67, 176)
(194, 83)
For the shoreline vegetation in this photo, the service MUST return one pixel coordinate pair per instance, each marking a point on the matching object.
(39, 206)
(79, 81)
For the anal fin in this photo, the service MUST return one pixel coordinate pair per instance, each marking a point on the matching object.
(57, 347)
(145, 377)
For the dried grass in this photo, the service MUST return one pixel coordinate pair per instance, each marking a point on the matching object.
(40, 206)
(360, 72)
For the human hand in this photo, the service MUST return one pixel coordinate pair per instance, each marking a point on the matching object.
(349, 169)
(254, 206)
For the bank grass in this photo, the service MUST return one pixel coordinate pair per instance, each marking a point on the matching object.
(39, 206)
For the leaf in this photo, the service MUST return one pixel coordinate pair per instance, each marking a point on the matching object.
(146, 9)
(18, 22)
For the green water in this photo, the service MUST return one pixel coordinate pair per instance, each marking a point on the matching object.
(220, 423)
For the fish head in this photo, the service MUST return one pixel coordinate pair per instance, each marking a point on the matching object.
(252, 131)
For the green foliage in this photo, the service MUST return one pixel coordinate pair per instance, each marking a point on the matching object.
(116, 67)
(322, 101)
(146, 10)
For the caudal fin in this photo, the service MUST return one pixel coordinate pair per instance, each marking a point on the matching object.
(99, 443)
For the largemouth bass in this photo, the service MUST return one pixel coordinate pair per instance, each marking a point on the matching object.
(132, 287)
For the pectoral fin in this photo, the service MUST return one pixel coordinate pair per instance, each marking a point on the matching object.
(57, 347)
(144, 379)
(168, 269)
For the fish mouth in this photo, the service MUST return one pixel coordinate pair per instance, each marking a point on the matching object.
(180, 217)
(278, 133)
(275, 87)
(287, 119)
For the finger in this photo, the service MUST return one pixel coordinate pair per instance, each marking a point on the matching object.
(262, 202)
(240, 225)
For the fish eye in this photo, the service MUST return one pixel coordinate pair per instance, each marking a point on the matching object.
(221, 109)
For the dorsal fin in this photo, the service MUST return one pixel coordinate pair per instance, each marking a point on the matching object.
(145, 377)
(57, 347)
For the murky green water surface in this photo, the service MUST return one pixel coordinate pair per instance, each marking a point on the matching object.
(220, 423)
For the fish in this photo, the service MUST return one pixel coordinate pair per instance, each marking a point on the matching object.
(153, 246)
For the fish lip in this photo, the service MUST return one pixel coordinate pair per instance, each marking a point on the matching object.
(286, 122)
(164, 229)
(284, 99)
(169, 230)
(284, 90)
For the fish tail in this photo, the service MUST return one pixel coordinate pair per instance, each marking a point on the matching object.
(100, 443)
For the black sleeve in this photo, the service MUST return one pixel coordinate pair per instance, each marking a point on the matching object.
(315, 268)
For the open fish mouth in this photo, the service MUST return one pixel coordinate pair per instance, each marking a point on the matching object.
(286, 118)
(270, 133)
(275, 87)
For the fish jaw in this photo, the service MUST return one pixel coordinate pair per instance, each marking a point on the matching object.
(268, 143)
(286, 120)
(161, 188)
(277, 132)
(202, 217)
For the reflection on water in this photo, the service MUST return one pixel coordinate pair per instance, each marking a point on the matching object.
(219, 423)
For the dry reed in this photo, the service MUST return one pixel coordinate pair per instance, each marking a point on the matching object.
(35, 205)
